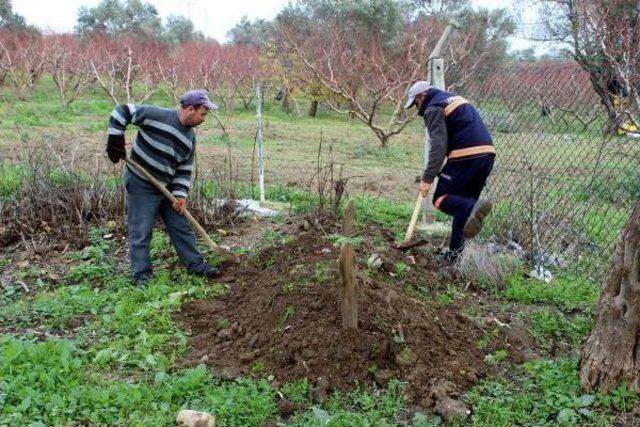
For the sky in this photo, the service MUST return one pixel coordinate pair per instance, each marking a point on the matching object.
(212, 17)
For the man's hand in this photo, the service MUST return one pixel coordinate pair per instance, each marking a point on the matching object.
(115, 149)
(424, 188)
(180, 205)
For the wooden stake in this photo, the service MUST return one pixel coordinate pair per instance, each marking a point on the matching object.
(348, 267)
(349, 220)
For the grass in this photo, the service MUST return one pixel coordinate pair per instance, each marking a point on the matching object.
(567, 291)
(544, 393)
(51, 383)
(118, 364)
(11, 177)
(548, 324)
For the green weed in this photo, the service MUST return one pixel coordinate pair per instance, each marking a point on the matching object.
(546, 393)
(357, 408)
(566, 291)
(548, 324)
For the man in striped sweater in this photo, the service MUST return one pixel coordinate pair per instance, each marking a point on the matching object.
(456, 133)
(165, 147)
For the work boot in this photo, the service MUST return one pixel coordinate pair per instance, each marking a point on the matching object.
(205, 270)
(141, 280)
(473, 225)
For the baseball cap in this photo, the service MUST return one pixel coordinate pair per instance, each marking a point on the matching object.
(197, 97)
(416, 89)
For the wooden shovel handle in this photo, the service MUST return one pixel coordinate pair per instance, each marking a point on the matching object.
(228, 256)
(414, 218)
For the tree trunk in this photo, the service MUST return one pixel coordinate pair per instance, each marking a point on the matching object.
(313, 109)
(611, 354)
(286, 102)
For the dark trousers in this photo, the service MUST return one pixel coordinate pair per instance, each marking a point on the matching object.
(144, 204)
(458, 190)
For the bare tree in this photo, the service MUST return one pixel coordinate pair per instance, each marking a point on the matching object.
(604, 36)
(359, 76)
(64, 61)
(124, 67)
(21, 59)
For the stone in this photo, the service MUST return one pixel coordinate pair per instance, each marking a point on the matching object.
(374, 261)
(320, 391)
(189, 418)
(382, 376)
(441, 389)
(225, 334)
(451, 410)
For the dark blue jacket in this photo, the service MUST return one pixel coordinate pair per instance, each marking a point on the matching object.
(455, 129)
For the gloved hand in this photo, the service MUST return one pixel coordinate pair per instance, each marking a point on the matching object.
(180, 205)
(115, 148)
(424, 188)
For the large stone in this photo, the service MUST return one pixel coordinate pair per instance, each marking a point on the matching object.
(189, 418)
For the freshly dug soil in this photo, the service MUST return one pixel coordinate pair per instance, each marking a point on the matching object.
(281, 317)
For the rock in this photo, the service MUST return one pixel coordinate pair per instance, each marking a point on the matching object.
(189, 418)
(541, 273)
(287, 407)
(228, 373)
(316, 305)
(452, 410)
(320, 391)
(422, 261)
(225, 334)
(374, 261)
(382, 376)
(406, 357)
(441, 389)
(253, 341)
(247, 356)
(304, 226)
(388, 266)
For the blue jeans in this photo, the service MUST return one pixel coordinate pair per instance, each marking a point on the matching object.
(144, 203)
(460, 183)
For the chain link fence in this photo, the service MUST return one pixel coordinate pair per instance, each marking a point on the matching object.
(565, 179)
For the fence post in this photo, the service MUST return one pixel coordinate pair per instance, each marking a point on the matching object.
(259, 138)
(435, 77)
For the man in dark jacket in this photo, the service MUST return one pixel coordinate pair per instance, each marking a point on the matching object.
(165, 146)
(456, 133)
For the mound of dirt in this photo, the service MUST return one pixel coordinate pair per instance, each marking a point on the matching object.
(281, 317)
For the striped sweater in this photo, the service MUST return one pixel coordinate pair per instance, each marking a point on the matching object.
(164, 147)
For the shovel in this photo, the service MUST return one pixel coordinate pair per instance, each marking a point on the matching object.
(227, 255)
(408, 243)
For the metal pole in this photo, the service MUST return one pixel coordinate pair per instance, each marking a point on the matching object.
(259, 137)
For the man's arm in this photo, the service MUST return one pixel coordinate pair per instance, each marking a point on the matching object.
(120, 118)
(437, 129)
(181, 182)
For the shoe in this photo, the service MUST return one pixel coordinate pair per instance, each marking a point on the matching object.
(473, 226)
(448, 257)
(141, 280)
(205, 270)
